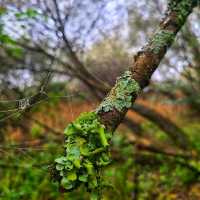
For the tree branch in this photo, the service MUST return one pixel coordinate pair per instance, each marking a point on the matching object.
(148, 59)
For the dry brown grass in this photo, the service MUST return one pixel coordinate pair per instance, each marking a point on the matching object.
(60, 115)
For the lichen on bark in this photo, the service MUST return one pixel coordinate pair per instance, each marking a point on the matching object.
(122, 94)
(87, 139)
(86, 146)
(162, 39)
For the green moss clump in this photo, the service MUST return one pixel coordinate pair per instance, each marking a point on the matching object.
(182, 8)
(121, 96)
(86, 151)
(161, 40)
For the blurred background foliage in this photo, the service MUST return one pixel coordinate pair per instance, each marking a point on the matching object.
(58, 59)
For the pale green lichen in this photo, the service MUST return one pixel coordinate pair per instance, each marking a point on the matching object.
(86, 152)
(160, 40)
(121, 96)
(164, 38)
(182, 8)
(87, 140)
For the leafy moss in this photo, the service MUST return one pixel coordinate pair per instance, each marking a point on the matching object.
(121, 96)
(86, 149)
